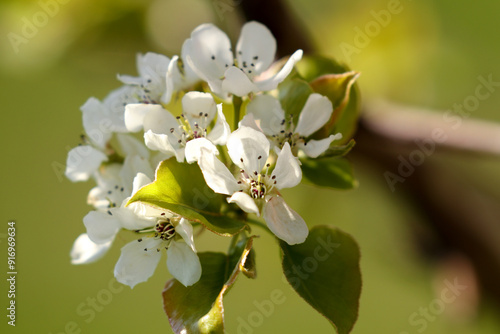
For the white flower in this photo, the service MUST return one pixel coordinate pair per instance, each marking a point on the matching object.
(151, 83)
(139, 258)
(180, 75)
(86, 251)
(316, 112)
(209, 53)
(102, 119)
(84, 161)
(114, 183)
(255, 190)
(182, 136)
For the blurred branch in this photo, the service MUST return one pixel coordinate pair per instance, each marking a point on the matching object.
(409, 124)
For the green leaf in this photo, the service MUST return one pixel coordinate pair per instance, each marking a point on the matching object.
(199, 309)
(293, 95)
(334, 172)
(181, 188)
(337, 87)
(324, 270)
(313, 66)
(347, 122)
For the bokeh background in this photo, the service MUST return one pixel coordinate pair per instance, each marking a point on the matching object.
(429, 55)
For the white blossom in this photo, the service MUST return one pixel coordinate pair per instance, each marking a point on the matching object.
(267, 111)
(255, 190)
(210, 55)
(182, 136)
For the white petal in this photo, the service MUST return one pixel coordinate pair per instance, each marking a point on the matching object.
(267, 110)
(189, 77)
(173, 78)
(160, 120)
(245, 202)
(152, 65)
(314, 115)
(285, 223)
(287, 171)
(249, 121)
(130, 220)
(216, 174)
(96, 122)
(185, 230)
(82, 162)
(272, 82)
(132, 165)
(194, 147)
(248, 144)
(221, 130)
(115, 102)
(208, 52)
(256, 46)
(135, 113)
(140, 180)
(159, 142)
(183, 263)
(101, 226)
(136, 264)
(131, 146)
(86, 251)
(195, 105)
(314, 148)
(237, 82)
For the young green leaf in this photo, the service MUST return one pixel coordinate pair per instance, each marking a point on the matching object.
(181, 188)
(199, 309)
(337, 87)
(324, 270)
(293, 95)
(335, 172)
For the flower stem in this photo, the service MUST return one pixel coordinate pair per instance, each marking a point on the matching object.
(237, 101)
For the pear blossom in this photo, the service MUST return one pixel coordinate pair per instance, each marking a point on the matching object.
(182, 136)
(151, 83)
(116, 183)
(139, 258)
(254, 189)
(84, 160)
(210, 55)
(102, 119)
(317, 110)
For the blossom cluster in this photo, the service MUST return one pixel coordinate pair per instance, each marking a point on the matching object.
(176, 108)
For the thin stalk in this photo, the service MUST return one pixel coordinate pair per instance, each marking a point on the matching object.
(237, 101)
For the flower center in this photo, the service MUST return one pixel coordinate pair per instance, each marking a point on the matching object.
(185, 132)
(149, 92)
(287, 134)
(164, 229)
(257, 185)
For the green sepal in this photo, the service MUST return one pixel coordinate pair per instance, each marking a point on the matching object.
(325, 272)
(181, 188)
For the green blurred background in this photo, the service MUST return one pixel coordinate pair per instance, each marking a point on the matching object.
(429, 55)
